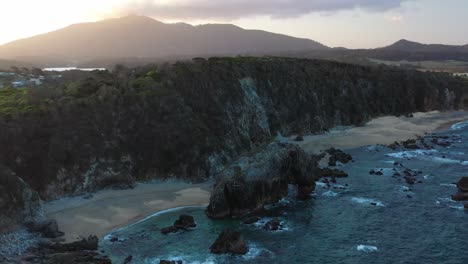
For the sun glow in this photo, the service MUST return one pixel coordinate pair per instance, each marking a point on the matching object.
(24, 18)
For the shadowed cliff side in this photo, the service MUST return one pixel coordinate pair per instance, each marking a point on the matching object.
(97, 130)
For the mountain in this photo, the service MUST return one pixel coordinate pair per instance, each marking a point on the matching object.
(139, 36)
(411, 46)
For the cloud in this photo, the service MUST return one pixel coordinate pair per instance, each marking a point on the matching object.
(235, 9)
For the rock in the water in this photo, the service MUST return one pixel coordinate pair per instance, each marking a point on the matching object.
(333, 173)
(169, 229)
(128, 259)
(462, 184)
(273, 225)
(18, 202)
(229, 241)
(262, 178)
(299, 138)
(337, 155)
(170, 262)
(466, 206)
(251, 220)
(185, 222)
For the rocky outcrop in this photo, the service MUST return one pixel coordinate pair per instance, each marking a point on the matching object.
(261, 178)
(18, 202)
(184, 222)
(229, 241)
(337, 155)
(48, 252)
(462, 186)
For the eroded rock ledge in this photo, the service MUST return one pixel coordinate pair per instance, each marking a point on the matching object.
(262, 178)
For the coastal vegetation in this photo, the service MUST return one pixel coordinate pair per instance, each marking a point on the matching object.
(92, 130)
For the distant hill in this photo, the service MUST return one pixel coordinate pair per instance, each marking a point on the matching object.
(139, 36)
(410, 46)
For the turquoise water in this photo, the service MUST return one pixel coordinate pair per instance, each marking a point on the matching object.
(374, 219)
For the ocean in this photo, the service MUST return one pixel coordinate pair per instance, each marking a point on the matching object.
(361, 219)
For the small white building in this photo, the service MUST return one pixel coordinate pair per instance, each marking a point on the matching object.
(17, 84)
(35, 81)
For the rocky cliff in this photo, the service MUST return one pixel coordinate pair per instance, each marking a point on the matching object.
(89, 131)
(18, 202)
(262, 178)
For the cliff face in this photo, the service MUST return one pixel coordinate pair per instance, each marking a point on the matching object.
(96, 130)
(18, 202)
(262, 178)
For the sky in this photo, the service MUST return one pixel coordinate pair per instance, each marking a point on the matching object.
(336, 23)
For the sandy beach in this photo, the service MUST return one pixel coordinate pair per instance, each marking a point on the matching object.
(383, 130)
(111, 209)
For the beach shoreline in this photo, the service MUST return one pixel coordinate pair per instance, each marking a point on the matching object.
(382, 131)
(109, 210)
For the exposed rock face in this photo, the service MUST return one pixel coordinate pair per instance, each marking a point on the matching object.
(229, 241)
(183, 223)
(191, 119)
(261, 178)
(47, 228)
(337, 155)
(48, 252)
(18, 203)
(462, 194)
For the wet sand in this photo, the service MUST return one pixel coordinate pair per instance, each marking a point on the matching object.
(111, 209)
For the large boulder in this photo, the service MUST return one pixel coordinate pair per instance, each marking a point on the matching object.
(229, 242)
(462, 184)
(18, 202)
(462, 194)
(262, 178)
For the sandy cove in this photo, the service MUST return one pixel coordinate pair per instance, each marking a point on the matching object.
(111, 209)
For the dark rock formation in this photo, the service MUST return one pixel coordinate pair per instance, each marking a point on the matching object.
(47, 228)
(183, 223)
(169, 229)
(333, 173)
(462, 186)
(229, 242)
(251, 220)
(83, 251)
(299, 138)
(273, 225)
(337, 155)
(261, 178)
(18, 203)
(170, 262)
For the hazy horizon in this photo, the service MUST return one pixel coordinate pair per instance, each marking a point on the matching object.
(335, 23)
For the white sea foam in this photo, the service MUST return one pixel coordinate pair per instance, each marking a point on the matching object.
(110, 235)
(330, 194)
(428, 177)
(362, 200)
(209, 260)
(366, 248)
(411, 153)
(321, 184)
(448, 185)
(255, 251)
(459, 126)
